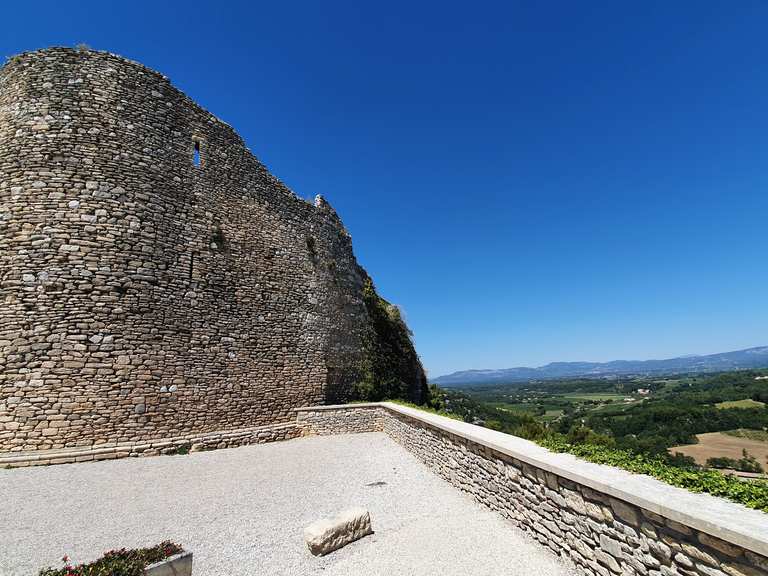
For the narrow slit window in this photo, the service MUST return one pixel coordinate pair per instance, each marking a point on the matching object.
(196, 156)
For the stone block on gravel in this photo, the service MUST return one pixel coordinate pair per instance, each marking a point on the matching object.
(325, 536)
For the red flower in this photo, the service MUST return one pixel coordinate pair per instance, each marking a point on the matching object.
(65, 558)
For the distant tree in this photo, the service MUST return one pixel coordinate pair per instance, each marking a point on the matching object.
(682, 461)
(722, 462)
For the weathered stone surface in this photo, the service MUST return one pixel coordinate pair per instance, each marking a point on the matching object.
(325, 536)
(677, 527)
(613, 547)
(607, 560)
(660, 550)
(709, 571)
(699, 555)
(624, 511)
(758, 560)
(741, 570)
(211, 292)
(683, 560)
(720, 545)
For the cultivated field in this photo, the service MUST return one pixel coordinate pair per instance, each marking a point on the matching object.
(714, 444)
(747, 403)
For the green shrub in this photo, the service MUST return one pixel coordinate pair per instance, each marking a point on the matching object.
(390, 368)
(426, 409)
(580, 434)
(722, 462)
(748, 463)
(435, 398)
(752, 494)
(121, 562)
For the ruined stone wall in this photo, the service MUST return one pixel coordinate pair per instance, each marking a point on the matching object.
(601, 533)
(143, 295)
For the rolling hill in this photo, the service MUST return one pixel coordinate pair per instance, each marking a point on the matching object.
(739, 359)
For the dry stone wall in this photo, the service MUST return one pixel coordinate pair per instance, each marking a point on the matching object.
(601, 534)
(155, 279)
(197, 442)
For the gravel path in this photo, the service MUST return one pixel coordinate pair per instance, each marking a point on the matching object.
(242, 511)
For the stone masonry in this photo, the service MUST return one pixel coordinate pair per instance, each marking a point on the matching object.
(156, 281)
(601, 534)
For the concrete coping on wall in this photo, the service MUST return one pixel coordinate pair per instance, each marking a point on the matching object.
(718, 517)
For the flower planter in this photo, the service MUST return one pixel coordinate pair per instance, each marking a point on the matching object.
(177, 565)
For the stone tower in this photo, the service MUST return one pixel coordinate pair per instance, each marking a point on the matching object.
(155, 278)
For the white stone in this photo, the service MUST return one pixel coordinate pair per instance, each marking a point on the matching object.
(325, 535)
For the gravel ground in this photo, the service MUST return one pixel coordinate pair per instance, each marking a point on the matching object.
(242, 511)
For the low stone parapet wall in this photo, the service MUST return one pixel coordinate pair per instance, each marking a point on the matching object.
(343, 419)
(605, 520)
(192, 442)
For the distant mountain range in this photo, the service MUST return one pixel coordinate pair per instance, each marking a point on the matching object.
(740, 359)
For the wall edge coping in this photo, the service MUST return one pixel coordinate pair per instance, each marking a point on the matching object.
(724, 519)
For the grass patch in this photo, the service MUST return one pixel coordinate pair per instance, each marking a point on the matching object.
(746, 403)
(760, 435)
(551, 415)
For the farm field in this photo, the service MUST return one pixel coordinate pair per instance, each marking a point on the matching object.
(746, 403)
(722, 444)
(597, 397)
(551, 415)
(551, 407)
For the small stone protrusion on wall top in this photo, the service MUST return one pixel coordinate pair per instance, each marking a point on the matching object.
(322, 204)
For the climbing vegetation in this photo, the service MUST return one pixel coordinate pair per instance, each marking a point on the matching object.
(390, 366)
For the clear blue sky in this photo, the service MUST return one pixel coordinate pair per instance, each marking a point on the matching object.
(530, 181)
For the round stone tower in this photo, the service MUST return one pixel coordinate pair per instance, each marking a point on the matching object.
(155, 278)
